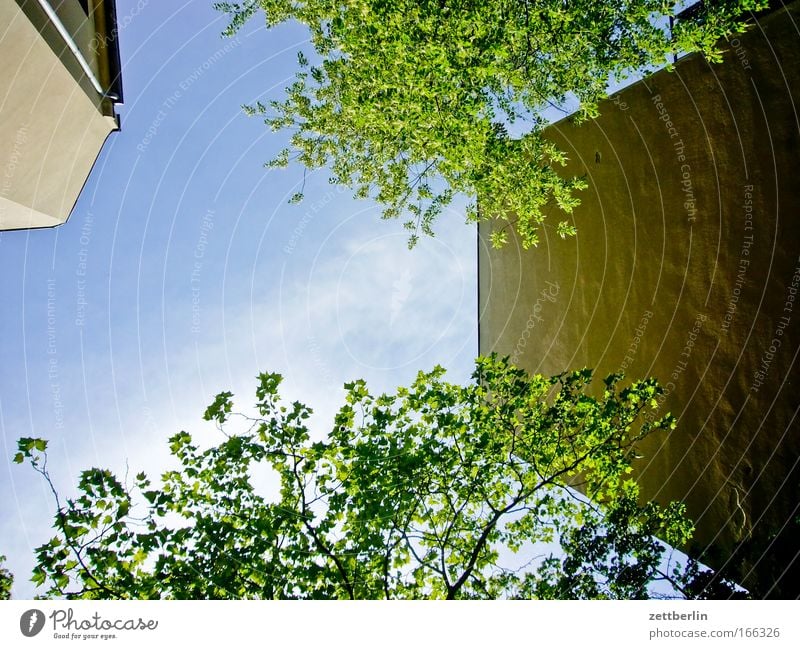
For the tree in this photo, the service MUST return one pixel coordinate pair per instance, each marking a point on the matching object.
(409, 101)
(431, 492)
(6, 580)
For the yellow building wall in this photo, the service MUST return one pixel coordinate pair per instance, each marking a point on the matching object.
(686, 267)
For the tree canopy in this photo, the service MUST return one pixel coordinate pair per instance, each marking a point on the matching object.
(411, 101)
(437, 490)
(6, 580)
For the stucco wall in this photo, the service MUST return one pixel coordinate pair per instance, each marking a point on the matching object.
(51, 131)
(685, 267)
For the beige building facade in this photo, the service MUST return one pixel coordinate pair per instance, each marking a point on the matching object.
(686, 267)
(59, 83)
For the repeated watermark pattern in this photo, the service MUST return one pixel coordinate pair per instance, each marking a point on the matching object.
(10, 167)
(546, 295)
(744, 260)
(689, 201)
(52, 357)
(206, 225)
(768, 354)
(122, 23)
(638, 335)
(401, 290)
(323, 370)
(80, 270)
(178, 93)
(741, 53)
(683, 361)
(314, 209)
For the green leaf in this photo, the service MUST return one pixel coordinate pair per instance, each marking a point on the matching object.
(220, 408)
(412, 101)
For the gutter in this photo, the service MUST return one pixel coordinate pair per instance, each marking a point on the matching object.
(73, 47)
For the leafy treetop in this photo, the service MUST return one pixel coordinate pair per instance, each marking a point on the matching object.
(435, 491)
(6, 580)
(409, 101)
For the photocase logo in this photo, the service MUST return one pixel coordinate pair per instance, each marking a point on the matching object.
(31, 622)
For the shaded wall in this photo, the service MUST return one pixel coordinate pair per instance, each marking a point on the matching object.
(53, 123)
(686, 267)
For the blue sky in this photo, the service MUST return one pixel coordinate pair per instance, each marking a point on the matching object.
(183, 272)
